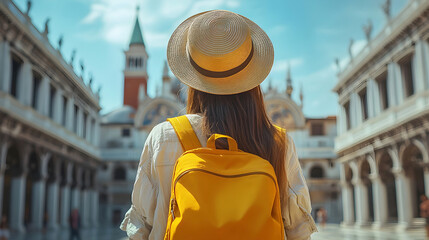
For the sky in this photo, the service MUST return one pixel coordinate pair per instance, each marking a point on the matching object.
(308, 35)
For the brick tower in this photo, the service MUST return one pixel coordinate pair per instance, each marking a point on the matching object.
(135, 72)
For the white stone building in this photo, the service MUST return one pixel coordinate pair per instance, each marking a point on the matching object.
(314, 141)
(49, 128)
(383, 142)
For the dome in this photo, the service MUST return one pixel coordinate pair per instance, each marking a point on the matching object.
(122, 115)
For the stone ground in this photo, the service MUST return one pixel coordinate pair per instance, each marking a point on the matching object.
(335, 232)
(330, 232)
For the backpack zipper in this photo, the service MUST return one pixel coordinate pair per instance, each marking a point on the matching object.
(173, 200)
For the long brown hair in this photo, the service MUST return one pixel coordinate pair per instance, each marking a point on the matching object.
(243, 117)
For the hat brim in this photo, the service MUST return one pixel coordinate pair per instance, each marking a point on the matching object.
(248, 78)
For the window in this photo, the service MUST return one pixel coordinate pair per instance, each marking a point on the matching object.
(364, 104)
(76, 110)
(52, 92)
(37, 79)
(347, 110)
(126, 132)
(119, 174)
(16, 68)
(64, 116)
(317, 172)
(130, 62)
(382, 88)
(85, 116)
(93, 137)
(317, 129)
(407, 75)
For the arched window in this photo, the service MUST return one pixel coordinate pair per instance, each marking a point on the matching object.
(119, 173)
(317, 172)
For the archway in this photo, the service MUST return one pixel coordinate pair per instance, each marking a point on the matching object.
(365, 172)
(33, 175)
(388, 179)
(13, 169)
(412, 160)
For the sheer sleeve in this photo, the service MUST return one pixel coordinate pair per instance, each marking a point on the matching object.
(139, 219)
(298, 222)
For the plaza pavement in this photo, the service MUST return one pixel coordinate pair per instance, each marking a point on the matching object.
(335, 232)
(330, 232)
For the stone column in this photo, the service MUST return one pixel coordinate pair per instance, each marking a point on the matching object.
(65, 206)
(38, 195)
(347, 195)
(75, 192)
(380, 201)
(79, 119)
(58, 105)
(3, 153)
(362, 207)
(425, 53)
(70, 114)
(44, 96)
(426, 176)
(37, 203)
(53, 197)
(394, 84)
(65, 197)
(5, 66)
(94, 208)
(25, 83)
(53, 205)
(418, 67)
(403, 196)
(83, 208)
(17, 201)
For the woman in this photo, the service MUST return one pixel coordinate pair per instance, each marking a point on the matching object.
(223, 57)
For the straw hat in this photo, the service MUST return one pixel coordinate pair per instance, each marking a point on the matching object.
(220, 52)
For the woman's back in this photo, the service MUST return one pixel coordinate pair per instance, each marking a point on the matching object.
(147, 218)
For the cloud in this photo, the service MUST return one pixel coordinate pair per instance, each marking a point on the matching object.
(278, 29)
(157, 19)
(282, 65)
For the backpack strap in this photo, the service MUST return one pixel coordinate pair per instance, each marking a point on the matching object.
(185, 133)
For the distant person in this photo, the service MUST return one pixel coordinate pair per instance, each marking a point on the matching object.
(74, 224)
(322, 216)
(4, 230)
(424, 211)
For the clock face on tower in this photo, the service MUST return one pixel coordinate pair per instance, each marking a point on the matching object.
(280, 115)
(158, 114)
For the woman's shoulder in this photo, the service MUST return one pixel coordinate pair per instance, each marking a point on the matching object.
(164, 131)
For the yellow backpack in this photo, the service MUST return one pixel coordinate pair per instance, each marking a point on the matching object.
(221, 194)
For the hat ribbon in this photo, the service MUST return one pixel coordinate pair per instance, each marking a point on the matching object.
(223, 74)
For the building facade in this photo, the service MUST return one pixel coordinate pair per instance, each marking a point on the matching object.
(314, 142)
(49, 128)
(383, 127)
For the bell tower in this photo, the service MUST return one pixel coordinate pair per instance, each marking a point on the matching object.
(135, 72)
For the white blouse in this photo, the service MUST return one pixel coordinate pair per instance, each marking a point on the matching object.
(147, 217)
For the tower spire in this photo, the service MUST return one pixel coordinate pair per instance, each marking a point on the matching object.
(289, 87)
(137, 36)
